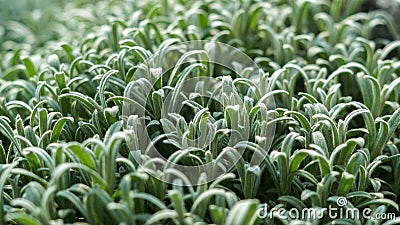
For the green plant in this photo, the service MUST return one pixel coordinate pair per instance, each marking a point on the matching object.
(65, 69)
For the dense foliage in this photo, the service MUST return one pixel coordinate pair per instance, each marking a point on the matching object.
(64, 69)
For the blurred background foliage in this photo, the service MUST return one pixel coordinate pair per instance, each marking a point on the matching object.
(40, 22)
(35, 22)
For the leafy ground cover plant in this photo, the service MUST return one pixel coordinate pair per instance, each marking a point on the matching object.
(65, 158)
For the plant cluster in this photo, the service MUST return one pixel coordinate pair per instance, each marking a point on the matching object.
(65, 158)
